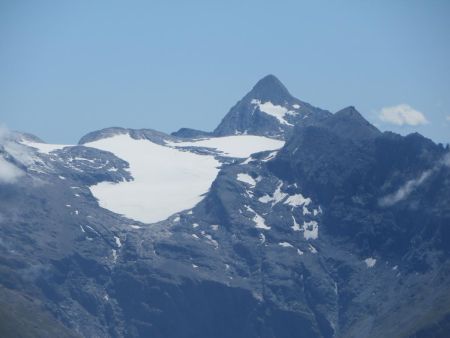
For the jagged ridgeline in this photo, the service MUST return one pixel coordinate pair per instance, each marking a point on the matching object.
(285, 221)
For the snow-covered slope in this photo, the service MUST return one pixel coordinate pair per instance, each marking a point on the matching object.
(279, 112)
(45, 148)
(167, 180)
(234, 146)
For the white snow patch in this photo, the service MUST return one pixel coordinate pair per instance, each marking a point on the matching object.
(68, 205)
(77, 158)
(259, 221)
(265, 199)
(295, 106)
(118, 242)
(279, 112)
(92, 229)
(194, 225)
(370, 262)
(82, 229)
(114, 254)
(61, 177)
(248, 160)
(276, 197)
(132, 226)
(295, 226)
(270, 156)
(214, 227)
(285, 245)
(395, 267)
(297, 200)
(195, 266)
(241, 146)
(300, 252)
(45, 148)
(195, 236)
(246, 178)
(312, 249)
(310, 230)
(176, 219)
(166, 180)
(306, 211)
(211, 240)
(76, 212)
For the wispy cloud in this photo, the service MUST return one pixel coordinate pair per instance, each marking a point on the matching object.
(9, 173)
(406, 189)
(402, 114)
(446, 160)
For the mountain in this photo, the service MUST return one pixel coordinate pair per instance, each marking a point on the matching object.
(349, 123)
(269, 110)
(384, 197)
(329, 229)
(191, 133)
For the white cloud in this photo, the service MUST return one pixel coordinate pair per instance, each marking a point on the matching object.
(9, 173)
(405, 190)
(448, 118)
(402, 114)
(446, 160)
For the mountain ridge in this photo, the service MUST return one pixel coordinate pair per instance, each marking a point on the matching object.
(339, 230)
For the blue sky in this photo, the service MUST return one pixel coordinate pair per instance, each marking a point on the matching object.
(70, 67)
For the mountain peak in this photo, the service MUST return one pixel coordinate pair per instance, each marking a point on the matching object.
(350, 112)
(349, 123)
(270, 88)
(268, 110)
(269, 80)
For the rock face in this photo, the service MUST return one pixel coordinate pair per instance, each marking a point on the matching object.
(191, 133)
(343, 232)
(270, 110)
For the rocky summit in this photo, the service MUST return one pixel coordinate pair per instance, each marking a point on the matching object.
(270, 110)
(285, 221)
